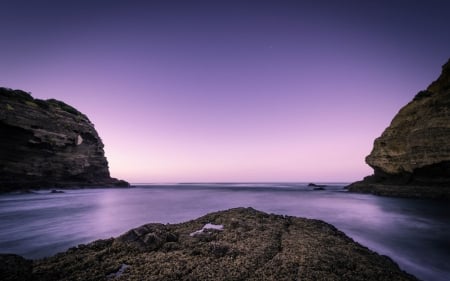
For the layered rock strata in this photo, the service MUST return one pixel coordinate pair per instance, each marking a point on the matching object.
(412, 156)
(47, 144)
(238, 244)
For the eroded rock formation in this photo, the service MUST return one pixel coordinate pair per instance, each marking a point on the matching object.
(412, 156)
(248, 245)
(48, 144)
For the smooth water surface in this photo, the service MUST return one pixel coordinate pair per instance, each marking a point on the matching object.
(415, 233)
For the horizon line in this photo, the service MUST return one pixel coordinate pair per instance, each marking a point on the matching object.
(244, 182)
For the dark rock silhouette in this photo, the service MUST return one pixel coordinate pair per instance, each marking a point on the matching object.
(47, 144)
(412, 156)
(15, 268)
(238, 244)
(317, 186)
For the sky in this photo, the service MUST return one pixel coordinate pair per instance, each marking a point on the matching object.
(228, 91)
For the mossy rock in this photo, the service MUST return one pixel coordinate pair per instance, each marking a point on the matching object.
(31, 103)
(252, 245)
(63, 106)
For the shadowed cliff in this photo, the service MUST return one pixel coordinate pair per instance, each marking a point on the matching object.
(412, 156)
(48, 144)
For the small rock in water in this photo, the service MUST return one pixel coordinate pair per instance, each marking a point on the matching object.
(316, 185)
(56, 191)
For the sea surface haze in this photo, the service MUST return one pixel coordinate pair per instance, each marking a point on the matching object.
(414, 233)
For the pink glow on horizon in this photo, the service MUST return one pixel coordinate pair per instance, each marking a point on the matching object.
(198, 160)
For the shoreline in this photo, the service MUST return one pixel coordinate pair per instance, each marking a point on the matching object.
(441, 193)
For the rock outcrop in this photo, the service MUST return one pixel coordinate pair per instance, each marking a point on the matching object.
(48, 144)
(238, 244)
(412, 156)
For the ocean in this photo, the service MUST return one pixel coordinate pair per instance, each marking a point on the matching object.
(415, 233)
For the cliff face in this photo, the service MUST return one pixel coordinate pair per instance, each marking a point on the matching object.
(415, 149)
(48, 144)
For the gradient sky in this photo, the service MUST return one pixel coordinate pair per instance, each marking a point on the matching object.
(228, 90)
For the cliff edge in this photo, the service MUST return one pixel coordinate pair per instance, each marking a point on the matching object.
(412, 156)
(47, 144)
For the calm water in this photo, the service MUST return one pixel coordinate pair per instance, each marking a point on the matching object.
(415, 233)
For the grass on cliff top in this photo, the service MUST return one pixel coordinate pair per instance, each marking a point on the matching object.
(26, 98)
(64, 106)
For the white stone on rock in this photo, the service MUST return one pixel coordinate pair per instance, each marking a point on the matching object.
(79, 140)
(206, 227)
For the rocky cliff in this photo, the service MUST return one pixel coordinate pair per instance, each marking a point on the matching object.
(412, 156)
(48, 144)
(238, 244)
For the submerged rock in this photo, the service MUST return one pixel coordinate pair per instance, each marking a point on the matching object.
(48, 144)
(239, 244)
(412, 156)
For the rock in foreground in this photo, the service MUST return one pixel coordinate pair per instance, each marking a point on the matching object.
(48, 144)
(15, 268)
(412, 156)
(238, 244)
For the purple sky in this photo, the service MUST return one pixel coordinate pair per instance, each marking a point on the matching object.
(228, 90)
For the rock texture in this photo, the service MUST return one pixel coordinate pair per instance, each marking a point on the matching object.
(48, 144)
(412, 156)
(238, 244)
(15, 268)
